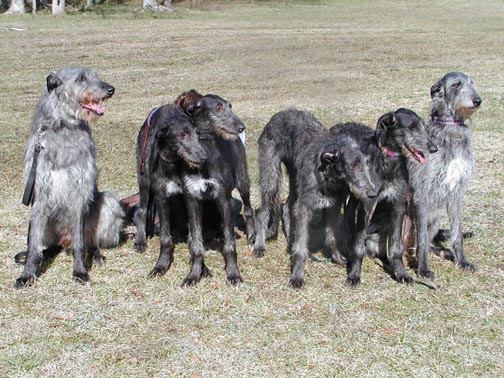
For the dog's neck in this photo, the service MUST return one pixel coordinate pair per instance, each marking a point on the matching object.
(445, 114)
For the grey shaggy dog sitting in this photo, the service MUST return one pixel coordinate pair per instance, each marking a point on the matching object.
(441, 182)
(61, 175)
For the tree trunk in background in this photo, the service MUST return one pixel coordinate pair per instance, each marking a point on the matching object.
(34, 7)
(89, 4)
(153, 4)
(16, 7)
(58, 6)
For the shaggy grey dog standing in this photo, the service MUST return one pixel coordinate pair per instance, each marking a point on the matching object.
(61, 174)
(441, 182)
(323, 169)
(399, 137)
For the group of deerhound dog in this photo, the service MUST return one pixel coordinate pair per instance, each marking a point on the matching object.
(353, 190)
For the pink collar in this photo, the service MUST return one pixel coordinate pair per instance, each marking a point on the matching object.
(390, 153)
(447, 121)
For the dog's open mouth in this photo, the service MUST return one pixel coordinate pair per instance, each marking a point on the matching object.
(94, 107)
(417, 155)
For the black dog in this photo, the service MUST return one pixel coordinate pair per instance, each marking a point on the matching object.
(226, 169)
(166, 143)
(400, 136)
(322, 170)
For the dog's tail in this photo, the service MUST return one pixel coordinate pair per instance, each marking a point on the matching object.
(111, 220)
(270, 179)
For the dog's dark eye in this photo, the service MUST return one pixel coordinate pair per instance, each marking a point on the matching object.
(82, 77)
(184, 135)
(457, 84)
(413, 126)
(356, 164)
(219, 107)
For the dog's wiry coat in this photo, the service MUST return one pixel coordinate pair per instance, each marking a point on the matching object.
(66, 173)
(399, 136)
(170, 142)
(441, 182)
(226, 169)
(322, 169)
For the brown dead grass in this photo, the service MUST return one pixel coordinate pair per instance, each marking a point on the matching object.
(343, 60)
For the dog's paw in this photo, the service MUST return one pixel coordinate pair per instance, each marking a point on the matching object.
(258, 252)
(140, 247)
(428, 274)
(234, 279)
(405, 278)
(157, 271)
(23, 282)
(353, 281)
(468, 266)
(296, 283)
(190, 280)
(80, 277)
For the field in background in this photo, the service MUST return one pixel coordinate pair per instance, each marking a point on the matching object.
(343, 60)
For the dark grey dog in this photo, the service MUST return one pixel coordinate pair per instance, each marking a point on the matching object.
(61, 175)
(166, 142)
(226, 168)
(400, 136)
(322, 170)
(442, 180)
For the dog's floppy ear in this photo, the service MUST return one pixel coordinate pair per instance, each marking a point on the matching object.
(437, 90)
(193, 107)
(385, 121)
(53, 81)
(187, 97)
(330, 156)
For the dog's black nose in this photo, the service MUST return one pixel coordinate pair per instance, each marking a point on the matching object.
(477, 101)
(110, 90)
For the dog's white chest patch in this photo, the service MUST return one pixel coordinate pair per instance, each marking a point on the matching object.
(172, 188)
(200, 187)
(455, 173)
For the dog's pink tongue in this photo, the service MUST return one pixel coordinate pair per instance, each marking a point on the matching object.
(95, 107)
(420, 157)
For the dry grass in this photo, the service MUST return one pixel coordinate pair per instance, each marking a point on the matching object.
(343, 60)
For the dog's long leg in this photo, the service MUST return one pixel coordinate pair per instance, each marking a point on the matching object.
(243, 186)
(356, 254)
(270, 178)
(422, 236)
(453, 210)
(299, 236)
(165, 258)
(196, 247)
(395, 250)
(141, 237)
(331, 230)
(37, 225)
(229, 250)
(79, 272)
